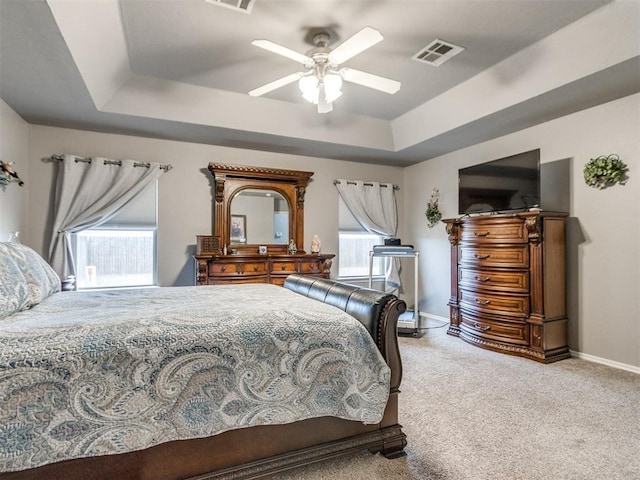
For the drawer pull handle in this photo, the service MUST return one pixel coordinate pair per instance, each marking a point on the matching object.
(255, 268)
(482, 279)
(482, 302)
(480, 327)
(283, 267)
(482, 257)
(479, 234)
(223, 268)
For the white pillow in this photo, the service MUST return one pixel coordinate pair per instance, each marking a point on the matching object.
(25, 278)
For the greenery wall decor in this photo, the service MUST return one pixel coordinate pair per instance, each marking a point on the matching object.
(8, 174)
(605, 171)
(433, 213)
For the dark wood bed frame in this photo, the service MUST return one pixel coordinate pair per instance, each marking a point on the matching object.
(257, 452)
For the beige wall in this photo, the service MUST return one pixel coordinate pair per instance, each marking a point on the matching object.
(184, 193)
(603, 229)
(14, 147)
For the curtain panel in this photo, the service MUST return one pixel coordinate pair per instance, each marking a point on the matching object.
(373, 204)
(88, 193)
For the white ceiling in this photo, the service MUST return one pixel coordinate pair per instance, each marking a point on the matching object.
(181, 69)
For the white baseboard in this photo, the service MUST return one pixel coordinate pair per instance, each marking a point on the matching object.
(583, 356)
(605, 361)
(429, 317)
(434, 317)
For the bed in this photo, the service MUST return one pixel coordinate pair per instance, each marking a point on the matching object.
(191, 382)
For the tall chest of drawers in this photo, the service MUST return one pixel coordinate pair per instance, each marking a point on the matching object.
(508, 290)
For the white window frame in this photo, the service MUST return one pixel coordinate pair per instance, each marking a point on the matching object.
(121, 228)
(379, 272)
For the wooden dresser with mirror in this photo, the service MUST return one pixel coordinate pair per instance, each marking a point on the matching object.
(257, 213)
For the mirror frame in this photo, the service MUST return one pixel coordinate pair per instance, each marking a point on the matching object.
(229, 180)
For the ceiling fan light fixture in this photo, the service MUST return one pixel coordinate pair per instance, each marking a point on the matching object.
(310, 86)
(321, 82)
(332, 85)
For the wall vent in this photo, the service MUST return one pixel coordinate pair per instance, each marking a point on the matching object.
(437, 52)
(243, 6)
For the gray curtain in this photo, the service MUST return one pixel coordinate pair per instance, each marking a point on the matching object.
(373, 204)
(88, 193)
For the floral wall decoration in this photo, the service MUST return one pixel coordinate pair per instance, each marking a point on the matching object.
(8, 174)
(433, 213)
(605, 171)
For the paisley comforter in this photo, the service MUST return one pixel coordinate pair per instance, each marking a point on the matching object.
(95, 373)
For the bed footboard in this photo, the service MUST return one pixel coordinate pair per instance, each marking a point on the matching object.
(377, 311)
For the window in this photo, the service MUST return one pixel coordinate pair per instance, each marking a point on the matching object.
(354, 245)
(122, 251)
(354, 248)
(115, 258)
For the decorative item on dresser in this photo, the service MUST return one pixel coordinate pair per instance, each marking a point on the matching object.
(270, 202)
(508, 283)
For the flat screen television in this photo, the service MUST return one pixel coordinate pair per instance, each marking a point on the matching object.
(506, 184)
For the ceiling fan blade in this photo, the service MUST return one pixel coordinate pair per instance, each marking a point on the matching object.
(281, 82)
(365, 38)
(284, 51)
(370, 80)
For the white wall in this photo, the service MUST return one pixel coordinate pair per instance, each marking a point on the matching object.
(14, 147)
(185, 198)
(603, 229)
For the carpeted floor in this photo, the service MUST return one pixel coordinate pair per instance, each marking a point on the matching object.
(471, 414)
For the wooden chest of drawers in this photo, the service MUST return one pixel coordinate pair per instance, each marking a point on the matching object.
(214, 269)
(508, 283)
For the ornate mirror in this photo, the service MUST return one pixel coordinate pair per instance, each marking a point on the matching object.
(257, 206)
(259, 217)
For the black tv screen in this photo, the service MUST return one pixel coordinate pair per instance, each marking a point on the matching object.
(510, 183)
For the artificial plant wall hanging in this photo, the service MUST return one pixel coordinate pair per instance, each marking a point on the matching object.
(605, 171)
(8, 174)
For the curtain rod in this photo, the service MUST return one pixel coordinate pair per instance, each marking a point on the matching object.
(166, 168)
(368, 184)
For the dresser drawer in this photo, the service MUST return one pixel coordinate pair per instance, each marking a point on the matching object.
(492, 329)
(254, 268)
(224, 268)
(310, 267)
(507, 231)
(284, 267)
(218, 269)
(494, 280)
(513, 305)
(514, 256)
(236, 280)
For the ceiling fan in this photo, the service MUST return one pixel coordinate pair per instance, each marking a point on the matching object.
(321, 81)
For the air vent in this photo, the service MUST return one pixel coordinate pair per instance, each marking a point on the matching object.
(243, 6)
(437, 52)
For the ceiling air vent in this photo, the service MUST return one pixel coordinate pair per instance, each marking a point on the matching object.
(243, 6)
(437, 52)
